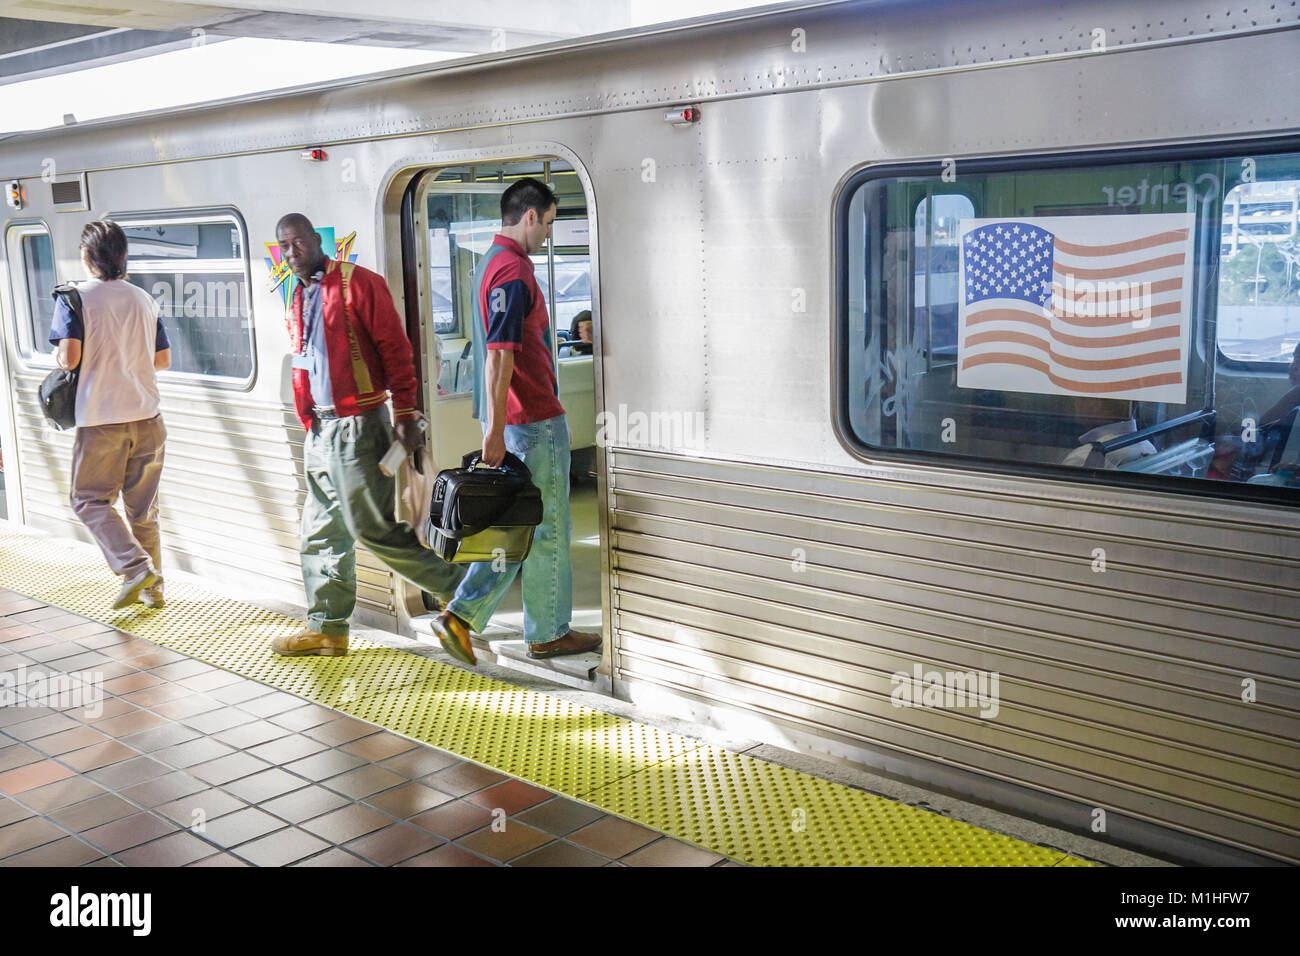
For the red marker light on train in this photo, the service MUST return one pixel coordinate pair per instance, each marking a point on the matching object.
(684, 116)
(313, 155)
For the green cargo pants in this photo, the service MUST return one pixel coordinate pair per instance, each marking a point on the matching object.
(348, 500)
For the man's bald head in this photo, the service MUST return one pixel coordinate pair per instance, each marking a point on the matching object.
(300, 245)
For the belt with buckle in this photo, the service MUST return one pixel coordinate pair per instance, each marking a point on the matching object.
(324, 411)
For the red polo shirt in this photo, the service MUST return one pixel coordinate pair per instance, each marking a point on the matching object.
(515, 317)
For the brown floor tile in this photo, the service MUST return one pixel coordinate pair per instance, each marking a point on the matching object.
(132, 722)
(18, 755)
(54, 622)
(266, 785)
(613, 837)
(32, 776)
(111, 709)
(213, 803)
(152, 696)
(32, 615)
(54, 651)
(220, 859)
(228, 768)
(159, 738)
(201, 750)
(251, 734)
(164, 789)
(452, 820)
(186, 667)
(158, 657)
(464, 778)
(560, 853)
(377, 747)
(210, 681)
(408, 800)
(393, 844)
(102, 636)
(26, 835)
(511, 796)
(281, 849)
(420, 762)
(346, 823)
(41, 727)
(9, 716)
(131, 683)
(341, 731)
(66, 852)
(85, 629)
(671, 852)
(99, 756)
(103, 861)
(178, 849)
(239, 827)
(93, 812)
(333, 857)
(17, 632)
(185, 707)
(129, 650)
(130, 772)
(11, 811)
(128, 832)
(239, 693)
(69, 740)
(276, 702)
(324, 765)
(113, 669)
(300, 718)
(560, 816)
(62, 794)
(447, 855)
(222, 718)
(504, 845)
(364, 781)
(305, 804)
(287, 749)
(33, 641)
(86, 664)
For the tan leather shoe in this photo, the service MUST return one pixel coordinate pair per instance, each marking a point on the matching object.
(307, 641)
(453, 635)
(573, 642)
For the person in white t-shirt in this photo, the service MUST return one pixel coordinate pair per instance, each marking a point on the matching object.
(118, 342)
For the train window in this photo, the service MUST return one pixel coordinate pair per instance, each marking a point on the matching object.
(31, 249)
(1134, 320)
(196, 268)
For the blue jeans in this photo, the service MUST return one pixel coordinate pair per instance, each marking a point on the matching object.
(548, 570)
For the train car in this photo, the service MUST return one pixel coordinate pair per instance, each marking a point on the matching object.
(1013, 516)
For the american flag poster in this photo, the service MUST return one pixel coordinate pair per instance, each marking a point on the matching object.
(1077, 305)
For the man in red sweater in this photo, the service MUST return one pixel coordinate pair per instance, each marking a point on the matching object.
(349, 352)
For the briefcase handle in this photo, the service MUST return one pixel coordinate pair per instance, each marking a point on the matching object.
(510, 464)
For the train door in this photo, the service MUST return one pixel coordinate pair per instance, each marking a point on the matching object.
(457, 214)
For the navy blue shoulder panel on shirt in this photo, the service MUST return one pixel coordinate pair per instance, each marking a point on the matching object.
(508, 306)
(67, 325)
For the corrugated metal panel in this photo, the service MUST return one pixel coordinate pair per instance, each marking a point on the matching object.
(797, 595)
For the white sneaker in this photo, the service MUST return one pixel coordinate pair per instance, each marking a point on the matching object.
(153, 597)
(131, 589)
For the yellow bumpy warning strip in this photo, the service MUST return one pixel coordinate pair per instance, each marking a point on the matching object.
(747, 809)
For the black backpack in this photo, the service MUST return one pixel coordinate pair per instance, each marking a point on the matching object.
(58, 391)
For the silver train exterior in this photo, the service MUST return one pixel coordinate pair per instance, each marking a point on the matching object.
(1120, 692)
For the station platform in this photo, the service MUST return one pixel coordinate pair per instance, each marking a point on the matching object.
(200, 747)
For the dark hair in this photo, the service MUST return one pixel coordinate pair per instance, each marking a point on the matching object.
(105, 245)
(583, 316)
(523, 195)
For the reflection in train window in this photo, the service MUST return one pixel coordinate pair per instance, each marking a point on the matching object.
(35, 296)
(196, 269)
(1067, 317)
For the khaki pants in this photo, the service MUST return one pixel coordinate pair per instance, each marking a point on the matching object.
(126, 459)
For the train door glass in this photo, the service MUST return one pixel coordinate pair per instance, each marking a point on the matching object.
(459, 213)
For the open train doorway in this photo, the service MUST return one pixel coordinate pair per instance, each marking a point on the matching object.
(456, 213)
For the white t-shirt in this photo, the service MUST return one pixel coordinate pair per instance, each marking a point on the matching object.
(120, 325)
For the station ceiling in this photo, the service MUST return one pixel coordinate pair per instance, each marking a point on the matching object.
(43, 37)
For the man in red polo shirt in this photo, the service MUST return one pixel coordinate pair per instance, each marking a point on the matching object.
(516, 399)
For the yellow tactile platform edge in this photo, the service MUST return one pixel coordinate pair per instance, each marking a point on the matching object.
(746, 809)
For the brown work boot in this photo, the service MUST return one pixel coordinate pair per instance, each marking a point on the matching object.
(573, 642)
(307, 641)
(453, 635)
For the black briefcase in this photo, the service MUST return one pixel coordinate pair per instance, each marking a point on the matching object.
(484, 514)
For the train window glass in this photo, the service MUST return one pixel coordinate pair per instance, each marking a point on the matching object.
(1259, 272)
(1063, 319)
(196, 269)
(36, 258)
